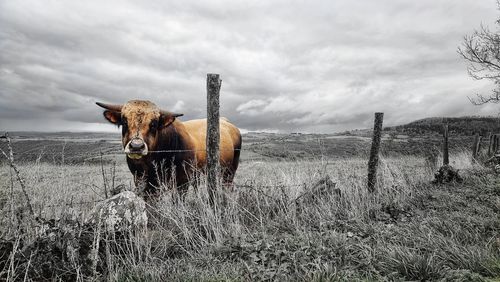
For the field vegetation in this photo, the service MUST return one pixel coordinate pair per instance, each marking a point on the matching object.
(299, 211)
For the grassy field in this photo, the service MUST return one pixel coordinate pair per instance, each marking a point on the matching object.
(272, 228)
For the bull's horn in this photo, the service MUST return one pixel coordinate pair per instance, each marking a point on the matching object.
(116, 108)
(167, 113)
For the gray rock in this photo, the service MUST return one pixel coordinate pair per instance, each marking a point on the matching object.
(123, 212)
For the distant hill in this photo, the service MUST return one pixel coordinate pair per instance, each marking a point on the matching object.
(457, 125)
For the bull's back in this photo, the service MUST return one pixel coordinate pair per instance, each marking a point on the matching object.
(230, 139)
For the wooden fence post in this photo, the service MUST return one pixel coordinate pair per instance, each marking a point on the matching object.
(490, 143)
(476, 146)
(496, 140)
(213, 89)
(446, 156)
(493, 144)
(373, 162)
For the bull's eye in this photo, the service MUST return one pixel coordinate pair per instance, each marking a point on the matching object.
(153, 125)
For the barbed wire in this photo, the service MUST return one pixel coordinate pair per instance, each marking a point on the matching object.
(66, 142)
(120, 152)
(73, 153)
(99, 151)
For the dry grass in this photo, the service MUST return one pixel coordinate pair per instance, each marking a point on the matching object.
(408, 230)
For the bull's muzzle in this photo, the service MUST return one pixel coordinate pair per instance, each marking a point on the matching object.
(136, 148)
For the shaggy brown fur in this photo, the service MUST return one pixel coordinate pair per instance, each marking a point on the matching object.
(161, 131)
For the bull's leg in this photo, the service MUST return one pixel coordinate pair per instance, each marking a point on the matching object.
(182, 189)
(142, 184)
(227, 179)
(195, 179)
(186, 175)
(152, 187)
(230, 170)
(147, 187)
(143, 181)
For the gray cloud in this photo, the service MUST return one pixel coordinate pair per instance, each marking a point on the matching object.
(286, 65)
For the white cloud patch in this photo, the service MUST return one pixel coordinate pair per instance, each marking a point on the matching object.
(179, 106)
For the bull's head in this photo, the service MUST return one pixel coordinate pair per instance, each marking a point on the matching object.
(140, 122)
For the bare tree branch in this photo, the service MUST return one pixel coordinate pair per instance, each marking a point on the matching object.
(482, 51)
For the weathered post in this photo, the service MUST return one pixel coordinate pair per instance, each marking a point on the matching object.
(493, 144)
(496, 140)
(490, 143)
(446, 173)
(446, 156)
(476, 146)
(373, 162)
(213, 88)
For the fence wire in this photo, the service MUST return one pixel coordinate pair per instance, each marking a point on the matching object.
(69, 153)
(103, 152)
(99, 151)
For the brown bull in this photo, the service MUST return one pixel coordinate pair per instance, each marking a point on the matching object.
(161, 148)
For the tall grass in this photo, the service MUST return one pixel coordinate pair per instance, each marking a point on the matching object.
(268, 227)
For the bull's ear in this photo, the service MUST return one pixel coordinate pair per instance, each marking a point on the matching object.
(112, 112)
(113, 117)
(166, 118)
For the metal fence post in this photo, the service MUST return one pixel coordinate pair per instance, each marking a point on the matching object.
(213, 137)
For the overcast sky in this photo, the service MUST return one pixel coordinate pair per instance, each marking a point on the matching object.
(310, 66)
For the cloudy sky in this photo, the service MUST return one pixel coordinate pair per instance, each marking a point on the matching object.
(311, 66)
